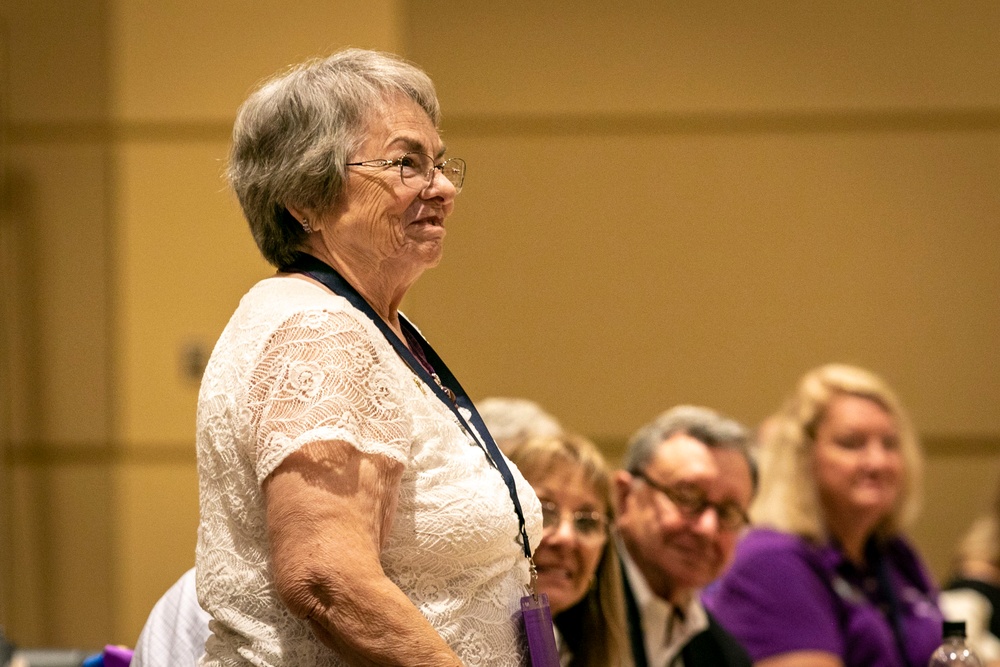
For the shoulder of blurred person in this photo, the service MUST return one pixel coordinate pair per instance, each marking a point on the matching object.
(786, 595)
(175, 632)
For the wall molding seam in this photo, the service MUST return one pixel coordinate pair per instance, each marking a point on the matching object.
(75, 455)
(976, 445)
(73, 132)
(976, 119)
(725, 123)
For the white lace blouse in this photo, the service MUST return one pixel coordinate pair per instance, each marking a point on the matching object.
(297, 364)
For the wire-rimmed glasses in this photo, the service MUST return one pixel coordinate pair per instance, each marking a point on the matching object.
(416, 170)
(589, 526)
(692, 503)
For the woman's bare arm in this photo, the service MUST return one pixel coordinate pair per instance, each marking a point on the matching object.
(801, 659)
(329, 508)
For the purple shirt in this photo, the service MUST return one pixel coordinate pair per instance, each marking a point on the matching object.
(785, 594)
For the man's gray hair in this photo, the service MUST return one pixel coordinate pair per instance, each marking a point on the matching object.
(702, 424)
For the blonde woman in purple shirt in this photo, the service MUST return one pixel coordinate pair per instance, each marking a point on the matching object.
(826, 579)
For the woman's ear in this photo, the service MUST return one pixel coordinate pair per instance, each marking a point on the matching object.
(303, 217)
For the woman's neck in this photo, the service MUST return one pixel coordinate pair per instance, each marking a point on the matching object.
(852, 535)
(381, 285)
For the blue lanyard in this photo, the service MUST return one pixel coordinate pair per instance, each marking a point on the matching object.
(875, 559)
(328, 276)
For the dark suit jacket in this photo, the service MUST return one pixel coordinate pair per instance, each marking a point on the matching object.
(714, 647)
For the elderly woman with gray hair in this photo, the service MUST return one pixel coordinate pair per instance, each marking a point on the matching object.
(354, 509)
(826, 579)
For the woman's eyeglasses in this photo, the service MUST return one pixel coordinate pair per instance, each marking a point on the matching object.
(589, 525)
(416, 170)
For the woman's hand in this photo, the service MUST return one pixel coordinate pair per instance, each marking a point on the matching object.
(329, 510)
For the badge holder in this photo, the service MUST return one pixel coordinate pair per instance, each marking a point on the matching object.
(538, 628)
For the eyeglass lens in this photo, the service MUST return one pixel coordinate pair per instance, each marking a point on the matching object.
(586, 524)
(417, 170)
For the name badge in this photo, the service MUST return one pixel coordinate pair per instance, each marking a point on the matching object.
(537, 617)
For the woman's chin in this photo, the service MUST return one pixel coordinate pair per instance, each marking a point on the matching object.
(561, 594)
(429, 253)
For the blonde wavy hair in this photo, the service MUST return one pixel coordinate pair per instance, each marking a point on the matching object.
(788, 499)
(594, 629)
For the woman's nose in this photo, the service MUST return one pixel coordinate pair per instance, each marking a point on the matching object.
(439, 186)
(562, 533)
(878, 456)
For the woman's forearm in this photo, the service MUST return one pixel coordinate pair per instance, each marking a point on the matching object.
(329, 509)
(374, 623)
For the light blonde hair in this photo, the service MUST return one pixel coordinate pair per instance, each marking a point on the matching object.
(981, 543)
(788, 499)
(594, 629)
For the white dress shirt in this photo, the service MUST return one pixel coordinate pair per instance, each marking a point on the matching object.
(666, 628)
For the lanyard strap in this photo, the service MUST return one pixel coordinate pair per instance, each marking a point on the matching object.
(877, 559)
(328, 276)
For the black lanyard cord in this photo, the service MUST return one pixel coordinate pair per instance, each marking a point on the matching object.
(328, 276)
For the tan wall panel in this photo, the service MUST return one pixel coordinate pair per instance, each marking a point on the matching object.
(192, 60)
(157, 527)
(63, 595)
(185, 259)
(58, 66)
(59, 207)
(24, 559)
(644, 55)
(612, 276)
(83, 549)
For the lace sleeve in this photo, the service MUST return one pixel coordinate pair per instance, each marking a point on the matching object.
(320, 377)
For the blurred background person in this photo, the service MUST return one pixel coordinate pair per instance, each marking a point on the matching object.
(576, 561)
(973, 592)
(681, 504)
(511, 421)
(175, 632)
(349, 512)
(827, 580)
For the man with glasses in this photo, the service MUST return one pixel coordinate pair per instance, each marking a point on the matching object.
(682, 500)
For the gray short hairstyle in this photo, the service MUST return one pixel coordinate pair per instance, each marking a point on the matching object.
(511, 421)
(702, 424)
(788, 498)
(294, 134)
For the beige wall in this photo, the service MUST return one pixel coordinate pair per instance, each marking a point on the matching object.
(666, 202)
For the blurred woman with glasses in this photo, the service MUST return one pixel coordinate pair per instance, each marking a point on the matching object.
(826, 578)
(576, 562)
(354, 509)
